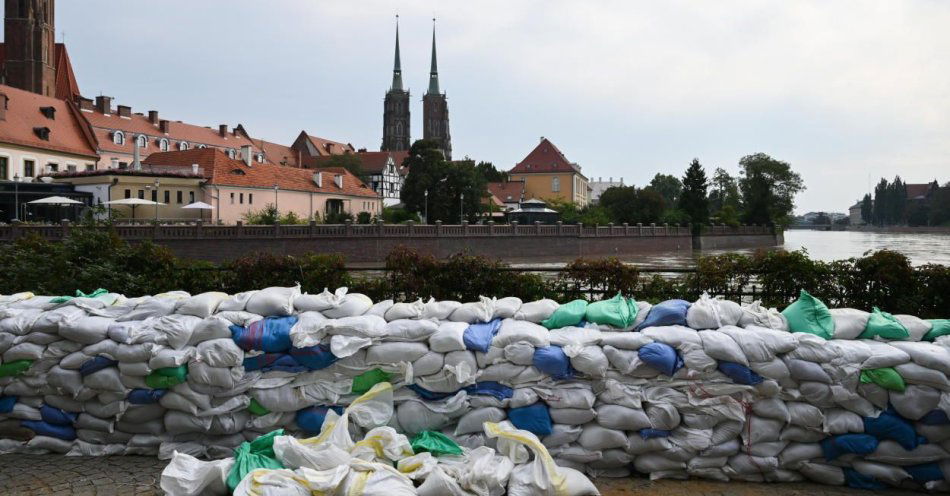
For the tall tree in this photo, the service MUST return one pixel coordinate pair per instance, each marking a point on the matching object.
(488, 171)
(867, 209)
(454, 189)
(881, 202)
(669, 187)
(725, 191)
(768, 189)
(693, 200)
(940, 206)
(632, 205)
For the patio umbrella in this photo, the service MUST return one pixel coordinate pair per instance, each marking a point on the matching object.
(199, 206)
(55, 200)
(133, 202)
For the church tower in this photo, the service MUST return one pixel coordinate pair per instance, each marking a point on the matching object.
(435, 109)
(396, 110)
(30, 46)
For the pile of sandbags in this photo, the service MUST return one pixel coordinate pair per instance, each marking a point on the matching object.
(710, 389)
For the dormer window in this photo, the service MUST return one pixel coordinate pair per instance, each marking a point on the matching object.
(118, 137)
(200, 147)
(260, 158)
(231, 153)
(238, 172)
(163, 144)
(183, 145)
(49, 112)
(42, 133)
(142, 141)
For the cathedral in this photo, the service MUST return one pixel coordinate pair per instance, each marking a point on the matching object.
(435, 110)
(31, 60)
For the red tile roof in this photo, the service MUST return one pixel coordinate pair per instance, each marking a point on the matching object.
(371, 162)
(508, 191)
(917, 191)
(276, 153)
(329, 147)
(66, 86)
(545, 158)
(23, 116)
(221, 170)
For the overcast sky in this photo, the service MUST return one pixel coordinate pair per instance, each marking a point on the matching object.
(842, 90)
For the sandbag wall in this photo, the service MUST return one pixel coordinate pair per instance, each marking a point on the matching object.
(708, 389)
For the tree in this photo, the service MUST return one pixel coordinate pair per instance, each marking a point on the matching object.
(488, 171)
(821, 219)
(881, 202)
(669, 187)
(867, 209)
(768, 189)
(940, 206)
(632, 205)
(349, 161)
(725, 191)
(453, 188)
(693, 200)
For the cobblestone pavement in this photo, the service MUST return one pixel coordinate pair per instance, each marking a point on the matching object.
(139, 475)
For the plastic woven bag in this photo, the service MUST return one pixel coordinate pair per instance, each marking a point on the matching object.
(15, 368)
(884, 325)
(250, 456)
(365, 381)
(618, 312)
(167, 377)
(939, 327)
(435, 443)
(809, 314)
(886, 377)
(568, 314)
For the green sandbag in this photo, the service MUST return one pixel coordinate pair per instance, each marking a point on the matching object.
(79, 294)
(618, 312)
(886, 377)
(568, 314)
(939, 327)
(365, 381)
(250, 456)
(436, 443)
(167, 377)
(15, 368)
(809, 314)
(884, 325)
(256, 408)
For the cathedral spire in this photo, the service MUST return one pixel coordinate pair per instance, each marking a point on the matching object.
(397, 69)
(434, 72)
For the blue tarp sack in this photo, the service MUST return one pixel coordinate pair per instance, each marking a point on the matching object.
(740, 374)
(96, 364)
(64, 432)
(667, 313)
(311, 419)
(427, 395)
(7, 403)
(270, 335)
(889, 425)
(935, 417)
(55, 416)
(552, 361)
(925, 472)
(491, 388)
(652, 433)
(857, 480)
(142, 396)
(273, 361)
(314, 357)
(662, 357)
(532, 418)
(478, 336)
(859, 444)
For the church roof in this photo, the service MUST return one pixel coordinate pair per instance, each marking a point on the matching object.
(545, 158)
(66, 86)
(24, 115)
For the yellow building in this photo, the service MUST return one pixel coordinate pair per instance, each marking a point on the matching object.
(548, 174)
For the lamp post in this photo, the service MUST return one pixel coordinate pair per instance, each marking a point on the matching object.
(461, 207)
(276, 187)
(427, 206)
(156, 202)
(16, 196)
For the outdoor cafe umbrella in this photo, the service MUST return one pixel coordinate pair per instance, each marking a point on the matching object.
(55, 200)
(199, 206)
(133, 202)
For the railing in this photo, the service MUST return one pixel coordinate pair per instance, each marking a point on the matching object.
(199, 230)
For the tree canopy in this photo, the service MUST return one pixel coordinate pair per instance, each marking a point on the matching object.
(668, 186)
(454, 188)
(768, 187)
(693, 200)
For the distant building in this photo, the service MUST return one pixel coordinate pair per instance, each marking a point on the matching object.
(531, 211)
(854, 214)
(30, 58)
(548, 174)
(435, 110)
(510, 194)
(598, 187)
(383, 172)
(920, 193)
(309, 148)
(396, 136)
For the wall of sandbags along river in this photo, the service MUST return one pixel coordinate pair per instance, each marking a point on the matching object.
(485, 395)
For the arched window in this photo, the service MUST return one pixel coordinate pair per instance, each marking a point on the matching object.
(118, 137)
(163, 144)
(555, 184)
(260, 158)
(231, 153)
(142, 141)
(200, 146)
(183, 145)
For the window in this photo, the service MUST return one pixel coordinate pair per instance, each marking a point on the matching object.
(29, 167)
(200, 147)
(123, 165)
(141, 194)
(231, 153)
(183, 145)
(90, 167)
(191, 197)
(241, 199)
(260, 158)
(142, 141)
(232, 198)
(168, 196)
(154, 195)
(128, 193)
(52, 167)
(250, 198)
(118, 137)
(4, 166)
(178, 196)
(71, 167)
(163, 145)
(555, 184)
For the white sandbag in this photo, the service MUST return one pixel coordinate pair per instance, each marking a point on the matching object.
(754, 314)
(24, 351)
(522, 353)
(590, 360)
(428, 364)
(386, 353)
(915, 401)
(176, 329)
(273, 301)
(923, 376)
(320, 302)
(595, 437)
(220, 353)
(353, 305)
(236, 303)
(712, 313)
(85, 330)
(849, 322)
(506, 308)
(916, 326)
(188, 476)
(410, 330)
(893, 454)
(926, 354)
(513, 331)
(838, 421)
(722, 347)
(448, 337)
(473, 420)
(202, 305)
(536, 311)
(474, 312)
(622, 418)
(380, 308)
(624, 340)
(439, 310)
(880, 471)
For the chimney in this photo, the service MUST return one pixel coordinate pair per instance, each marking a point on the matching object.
(610, 179)
(3, 106)
(246, 154)
(318, 179)
(194, 169)
(124, 111)
(163, 126)
(104, 104)
(136, 162)
(86, 103)
(115, 163)
(542, 138)
(223, 130)
(153, 117)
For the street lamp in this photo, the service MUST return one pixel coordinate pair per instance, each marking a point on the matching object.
(276, 187)
(156, 202)
(427, 206)
(16, 196)
(461, 207)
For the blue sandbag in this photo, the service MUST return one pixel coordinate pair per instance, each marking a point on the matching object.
(491, 388)
(935, 417)
(857, 480)
(96, 364)
(925, 472)
(64, 432)
(662, 357)
(478, 336)
(667, 313)
(860, 444)
(7, 403)
(652, 433)
(427, 395)
(311, 419)
(142, 396)
(552, 361)
(270, 335)
(55, 416)
(273, 361)
(532, 418)
(740, 374)
(314, 357)
(889, 425)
